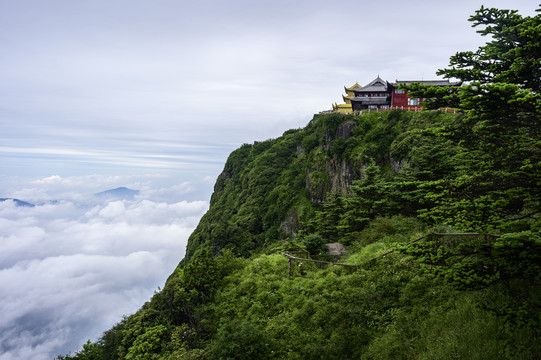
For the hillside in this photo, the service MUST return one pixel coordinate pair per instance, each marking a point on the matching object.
(270, 190)
(440, 214)
(365, 181)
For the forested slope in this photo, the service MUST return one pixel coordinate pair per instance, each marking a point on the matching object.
(270, 190)
(379, 183)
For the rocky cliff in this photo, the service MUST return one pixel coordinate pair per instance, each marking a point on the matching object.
(269, 190)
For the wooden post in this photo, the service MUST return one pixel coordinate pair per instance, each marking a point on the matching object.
(289, 266)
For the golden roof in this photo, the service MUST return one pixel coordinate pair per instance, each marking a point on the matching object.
(353, 87)
(346, 108)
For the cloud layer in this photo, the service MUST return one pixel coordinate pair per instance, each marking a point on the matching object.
(69, 271)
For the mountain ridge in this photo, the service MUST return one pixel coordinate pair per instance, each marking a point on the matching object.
(18, 202)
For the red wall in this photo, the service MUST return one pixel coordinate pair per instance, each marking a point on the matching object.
(399, 99)
(402, 100)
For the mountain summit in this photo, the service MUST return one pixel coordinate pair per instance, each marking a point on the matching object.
(120, 193)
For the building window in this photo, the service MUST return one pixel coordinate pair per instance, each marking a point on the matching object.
(413, 101)
(398, 91)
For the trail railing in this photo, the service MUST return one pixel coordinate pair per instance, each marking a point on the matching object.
(450, 239)
(406, 108)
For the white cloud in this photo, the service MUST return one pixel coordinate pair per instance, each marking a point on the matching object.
(49, 180)
(158, 186)
(169, 194)
(69, 271)
(113, 210)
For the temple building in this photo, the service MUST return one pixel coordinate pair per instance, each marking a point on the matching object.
(375, 95)
(381, 94)
(346, 108)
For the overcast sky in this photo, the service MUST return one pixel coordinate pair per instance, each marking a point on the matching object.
(154, 95)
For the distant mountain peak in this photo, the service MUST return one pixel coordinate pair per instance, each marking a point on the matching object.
(18, 202)
(118, 193)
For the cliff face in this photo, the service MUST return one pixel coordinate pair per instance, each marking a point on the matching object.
(337, 173)
(270, 190)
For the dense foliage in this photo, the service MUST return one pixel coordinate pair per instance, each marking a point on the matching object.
(403, 191)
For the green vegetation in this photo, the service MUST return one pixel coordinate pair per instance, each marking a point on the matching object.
(378, 183)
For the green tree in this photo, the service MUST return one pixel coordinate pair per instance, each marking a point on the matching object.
(314, 244)
(148, 345)
(326, 220)
(497, 187)
(370, 197)
(512, 56)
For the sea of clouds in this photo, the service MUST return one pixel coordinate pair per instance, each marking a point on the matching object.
(74, 264)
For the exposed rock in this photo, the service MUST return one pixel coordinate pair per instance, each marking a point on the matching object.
(342, 175)
(336, 249)
(225, 175)
(333, 176)
(344, 129)
(317, 183)
(300, 150)
(397, 165)
(290, 225)
(220, 182)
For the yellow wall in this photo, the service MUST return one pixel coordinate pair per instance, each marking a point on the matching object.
(343, 108)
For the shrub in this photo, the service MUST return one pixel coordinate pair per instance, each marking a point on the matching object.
(314, 243)
(240, 340)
